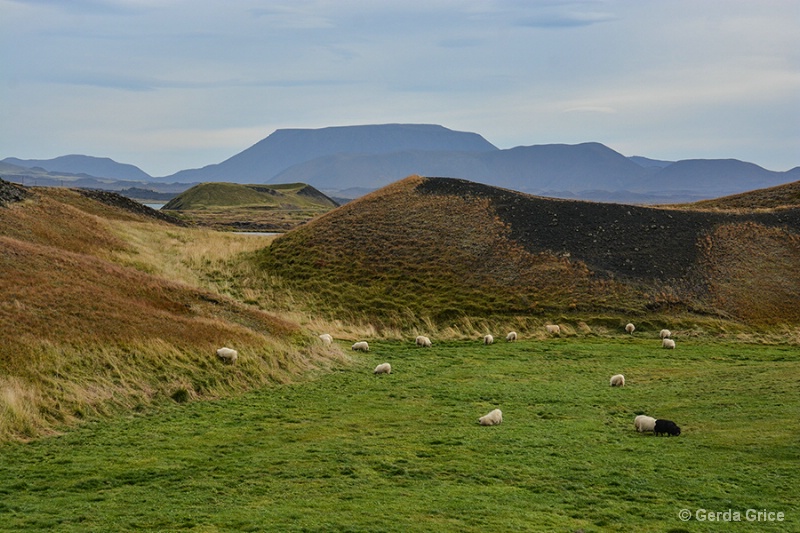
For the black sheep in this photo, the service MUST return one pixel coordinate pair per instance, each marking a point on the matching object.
(667, 426)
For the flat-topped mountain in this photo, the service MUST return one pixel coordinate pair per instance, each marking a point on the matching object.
(441, 248)
(288, 147)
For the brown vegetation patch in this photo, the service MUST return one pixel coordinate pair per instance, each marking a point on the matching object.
(753, 272)
(59, 296)
(44, 219)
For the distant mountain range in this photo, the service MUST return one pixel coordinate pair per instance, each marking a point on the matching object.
(348, 161)
(101, 167)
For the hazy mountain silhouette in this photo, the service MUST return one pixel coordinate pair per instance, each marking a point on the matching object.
(101, 167)
(349, 161)
(288, 147)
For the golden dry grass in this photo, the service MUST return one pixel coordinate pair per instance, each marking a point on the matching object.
(781, 196)
(103, 310)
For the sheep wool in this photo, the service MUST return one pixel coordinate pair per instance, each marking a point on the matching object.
(228, 355)
(383, 368)
(665, 334)
(423, 341)
(669, 344)
(644, 423)
(511, 337)
(617, 380)
(630, 328)
(488, 339)
(492, 419)
(326, 339)
(361, 346)
(552, 329)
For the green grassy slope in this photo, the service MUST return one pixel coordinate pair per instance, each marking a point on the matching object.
(351, 451)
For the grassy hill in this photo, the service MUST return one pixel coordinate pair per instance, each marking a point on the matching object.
(89, 326)
(220, 195)
(250, 207)
(440, 250)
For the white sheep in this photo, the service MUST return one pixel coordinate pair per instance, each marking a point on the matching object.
(552, 329)
(617, 380)
(383, 368)
(644, 423)
(326, 339)
(488, 339)
(423, 341)
(228, 355)
(361, 346)
(511, 337)
(665, 334)
(669, 344)
(491, 419)
(630, 328)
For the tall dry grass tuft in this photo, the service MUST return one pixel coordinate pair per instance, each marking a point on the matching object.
(19, 413)
(64, 384)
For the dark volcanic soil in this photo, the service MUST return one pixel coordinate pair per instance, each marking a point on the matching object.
(11, 192)
(618, 240)
(122, 202)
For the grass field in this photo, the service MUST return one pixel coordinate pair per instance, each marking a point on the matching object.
(350, 451)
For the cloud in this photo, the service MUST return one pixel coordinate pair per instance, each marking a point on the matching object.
(519, 72)
(589, 109)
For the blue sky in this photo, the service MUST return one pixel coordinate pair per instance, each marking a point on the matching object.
(173, 84)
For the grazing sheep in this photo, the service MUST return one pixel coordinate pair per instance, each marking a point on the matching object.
(553, 329)
(669, 344)
(644, 423)
(488, 339)
(617, 380)
(492, 419)
(383, 368)
(326, 339)
(227, 355)
(511, 337)
(665, 334)
(423, 341)
(666, 427)
(361, 346)
(630, 328)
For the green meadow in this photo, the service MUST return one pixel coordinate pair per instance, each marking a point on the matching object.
(350, 451)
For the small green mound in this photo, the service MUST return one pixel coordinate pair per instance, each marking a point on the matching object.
(230, 195)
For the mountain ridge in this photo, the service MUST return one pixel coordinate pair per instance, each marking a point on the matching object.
(346, 161)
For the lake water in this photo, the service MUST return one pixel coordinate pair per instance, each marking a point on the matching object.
(155, 206)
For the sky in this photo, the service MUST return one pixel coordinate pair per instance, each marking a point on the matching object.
(168, 85)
